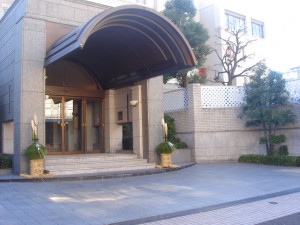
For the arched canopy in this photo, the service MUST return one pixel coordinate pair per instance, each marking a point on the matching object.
(123, 45)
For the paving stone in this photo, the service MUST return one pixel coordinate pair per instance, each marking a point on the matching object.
(204, 192)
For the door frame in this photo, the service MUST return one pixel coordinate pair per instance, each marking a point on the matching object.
(63, 93)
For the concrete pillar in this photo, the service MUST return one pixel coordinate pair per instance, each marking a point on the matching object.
(137, 121)
(29, 84)
(152, 104)
(112, 130)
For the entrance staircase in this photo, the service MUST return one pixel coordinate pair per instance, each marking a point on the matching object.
(63, 165)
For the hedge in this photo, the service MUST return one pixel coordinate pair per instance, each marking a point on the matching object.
(271, 160)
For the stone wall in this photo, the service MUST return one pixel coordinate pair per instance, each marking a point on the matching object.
(11, 26)
(218, 134)
(23, 41)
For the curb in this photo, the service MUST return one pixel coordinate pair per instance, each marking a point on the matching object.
(101, 176)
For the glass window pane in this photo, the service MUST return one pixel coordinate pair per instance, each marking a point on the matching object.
(53, 120)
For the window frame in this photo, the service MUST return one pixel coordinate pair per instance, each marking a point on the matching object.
(259, 27)
(237, 21)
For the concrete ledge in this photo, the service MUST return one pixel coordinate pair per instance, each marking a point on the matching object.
(6, 171)
(99, 176)
(182, 156)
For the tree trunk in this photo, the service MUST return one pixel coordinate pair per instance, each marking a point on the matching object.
(267, 139)
(184, 81)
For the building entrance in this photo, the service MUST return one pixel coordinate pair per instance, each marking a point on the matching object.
(73, 125)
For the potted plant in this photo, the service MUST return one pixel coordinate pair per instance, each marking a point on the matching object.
(5, 164)
(166, 148)
(36, 152)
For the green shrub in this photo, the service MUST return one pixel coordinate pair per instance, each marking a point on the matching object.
(165, 148)
(277, 139)
(5, 162)
(180, 145)
(283, 150)
(273, 139)
(172, 133)
(35, 151)
(298, 161)
(283, 160)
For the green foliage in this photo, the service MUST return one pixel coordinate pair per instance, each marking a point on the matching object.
(172, 133)
(165, 148)
(277, 139)
(5, 162)
(283, 150)
(182, 13)
(35, 151)
(273, 139)
(266, 105)
(271, 160)
(179, 144)
(196, 77)
(298, 161)
(171, 127)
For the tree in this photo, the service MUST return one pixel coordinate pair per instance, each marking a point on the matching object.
(233, 58)
(266, 105)
(182, 13)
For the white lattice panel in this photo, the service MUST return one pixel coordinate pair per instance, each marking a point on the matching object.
(221, 97)
(175, 100)
(294, 88)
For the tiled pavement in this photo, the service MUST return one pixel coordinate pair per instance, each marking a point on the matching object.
(202, 194)
(250, 213)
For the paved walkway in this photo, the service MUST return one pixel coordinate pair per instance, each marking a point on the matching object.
(202, 194)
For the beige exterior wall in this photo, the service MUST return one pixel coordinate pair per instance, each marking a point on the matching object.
(212, 16)
(217, 134)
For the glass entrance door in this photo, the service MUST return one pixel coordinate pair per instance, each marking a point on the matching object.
(73, 125)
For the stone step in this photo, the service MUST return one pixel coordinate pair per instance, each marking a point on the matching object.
(82, 164)
(93, 170)
(87, 157)
(94, 163)
(90, 160)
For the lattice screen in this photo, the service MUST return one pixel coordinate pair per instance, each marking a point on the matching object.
(175, 100)
(221, 97)
(294, 88)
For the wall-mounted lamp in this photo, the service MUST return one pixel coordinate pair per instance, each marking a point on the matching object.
(134, 102)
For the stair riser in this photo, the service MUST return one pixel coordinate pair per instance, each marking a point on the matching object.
(92, 165)
(97, 163)
(65, 161)
(90, 171)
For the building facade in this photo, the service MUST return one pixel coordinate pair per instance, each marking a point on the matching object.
(85, 69)
(219, 17)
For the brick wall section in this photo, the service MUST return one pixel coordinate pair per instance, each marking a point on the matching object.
(218, 134)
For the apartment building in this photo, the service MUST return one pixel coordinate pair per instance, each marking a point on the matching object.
(219, 17)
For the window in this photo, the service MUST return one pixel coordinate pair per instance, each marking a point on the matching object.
(235, 22)
(257, 29)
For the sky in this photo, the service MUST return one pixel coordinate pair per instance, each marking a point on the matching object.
(282, 30)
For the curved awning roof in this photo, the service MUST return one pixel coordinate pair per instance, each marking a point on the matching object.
(123, 45)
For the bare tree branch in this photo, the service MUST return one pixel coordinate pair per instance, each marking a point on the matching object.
(233, 55)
